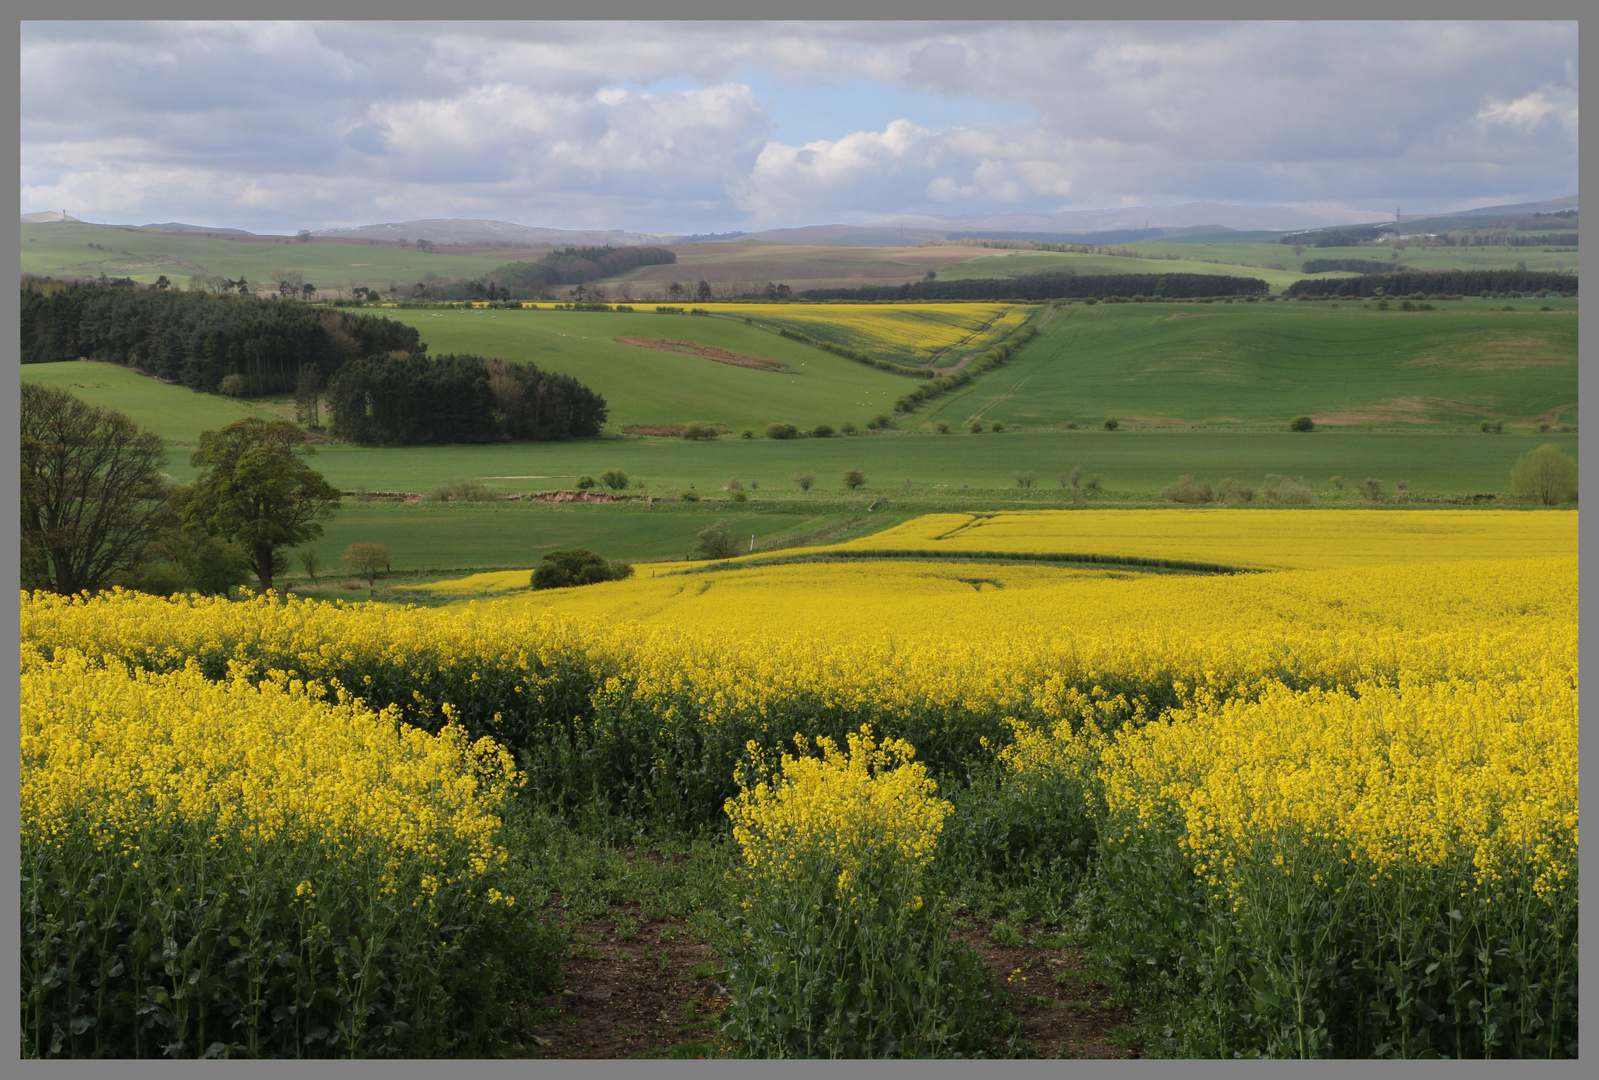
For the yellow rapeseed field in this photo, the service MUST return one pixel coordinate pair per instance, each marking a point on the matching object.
(907, 332)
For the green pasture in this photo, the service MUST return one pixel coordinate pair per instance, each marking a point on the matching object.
(1262, 363)
(177, 414)
(63, 248)
(1137, 463)
(1410, 256)
(651, 386)
(1017, 263)
(488, 535)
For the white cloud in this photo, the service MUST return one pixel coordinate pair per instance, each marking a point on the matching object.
(278, 124)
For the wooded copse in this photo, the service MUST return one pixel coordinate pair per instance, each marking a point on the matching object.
(1444, 282)
(405, 399)
(198, 339)
(1055, 287)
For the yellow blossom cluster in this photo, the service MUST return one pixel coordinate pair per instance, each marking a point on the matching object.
(851, 810)
(905, 332)
(123, 750)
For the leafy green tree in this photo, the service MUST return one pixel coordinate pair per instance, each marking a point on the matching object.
(804, 480)
(95, 500)
(715, 542)
(1545, 475)
(1111, 423)
(854, 478)
(615, 479)
(257, 489)
(1302, 423)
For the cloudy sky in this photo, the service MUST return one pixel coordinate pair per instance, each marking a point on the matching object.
(700, 127)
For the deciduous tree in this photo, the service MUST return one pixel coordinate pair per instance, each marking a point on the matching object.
(257, 489)
(95, 499)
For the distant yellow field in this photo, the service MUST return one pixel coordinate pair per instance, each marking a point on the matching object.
(907, 333)
(1259, 539)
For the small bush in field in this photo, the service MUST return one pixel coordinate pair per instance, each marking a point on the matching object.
(782, 431)
(585, 482)
(847, 428)
(576, 566)
(1024, 479)
(688, 495)
(1301, 423)
(366, 559)
(615, 479)
(1111, 423)
(854, 478)
(1231, 491)
(714, 542)
(822, 431)
(1186, 490)
(804, 480)
(1287, 491)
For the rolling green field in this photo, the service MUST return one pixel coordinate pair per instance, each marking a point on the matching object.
(176, 414)
(1016, 263)
(1264, 363)
(1134, 464)
(442, 536)
(651, 386)
(63, 247)
(1411, 257)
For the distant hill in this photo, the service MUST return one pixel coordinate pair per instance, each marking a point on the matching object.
(204, 230)
(45, 216)
(478, 232)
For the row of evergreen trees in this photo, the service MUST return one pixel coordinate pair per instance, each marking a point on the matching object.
(405, 399)
(197, 339)
(1449, 282)
(1054, 287)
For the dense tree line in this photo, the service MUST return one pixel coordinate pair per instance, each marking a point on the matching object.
(1448, 282)
(1502, 238)
(197, 339)
(575, 266)
(405, 399)
(1357, 266)
(1054, 287)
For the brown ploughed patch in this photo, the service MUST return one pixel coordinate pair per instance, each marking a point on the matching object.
(707, 352)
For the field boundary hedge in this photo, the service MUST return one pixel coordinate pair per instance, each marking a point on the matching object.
(934, 555)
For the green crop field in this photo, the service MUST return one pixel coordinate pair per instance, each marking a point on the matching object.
(176, 414)
(488, 535)
(1264, 363)
(1016, 263)
(1411, 257)
(64, 248)
(652, 386)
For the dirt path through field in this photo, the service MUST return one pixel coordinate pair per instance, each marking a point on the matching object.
(633, 988)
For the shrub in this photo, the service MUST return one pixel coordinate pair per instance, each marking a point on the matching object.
(941, 427)
(1111, 423)
(698, 430)
(733, 485)
(1024, 479)
(996, 426)
(1371, 490)
(747, 433)
(1337, 482)
(1185, 490)
(782, 431)
(585, 482)
(1491, 427)
(739, 496)
(975, 427)
(1301, 423)
(1231, 491)
(1545, 475)
(1286, 491)
(854, 478)
(1070, 479)
(615, 479)
(822, 431)
(688, 495)
(462, 490)
(366, 559)
(880, 422)
(804, 480)
(847, 428)
(1092, 483)
(576, 566)
(714, 542)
